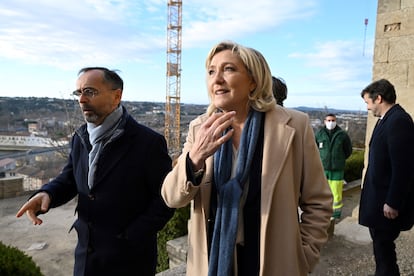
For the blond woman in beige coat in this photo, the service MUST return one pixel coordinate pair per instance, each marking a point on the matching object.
(284, 213)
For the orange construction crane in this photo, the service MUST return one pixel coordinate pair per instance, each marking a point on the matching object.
(172, 104)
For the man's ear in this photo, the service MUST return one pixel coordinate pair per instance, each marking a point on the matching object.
(379, 97)
(118, 94)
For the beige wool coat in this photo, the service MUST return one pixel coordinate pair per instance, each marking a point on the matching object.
(292, 176)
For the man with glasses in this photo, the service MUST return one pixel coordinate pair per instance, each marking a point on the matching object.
(116, 167)
(334, 148)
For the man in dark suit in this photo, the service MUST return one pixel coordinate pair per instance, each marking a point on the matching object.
(387, 196)
(115, 167)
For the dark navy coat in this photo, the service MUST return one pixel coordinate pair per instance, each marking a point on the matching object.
(119, 217)
(389, 176)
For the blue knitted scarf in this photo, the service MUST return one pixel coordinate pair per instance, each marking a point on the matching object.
(229, 194)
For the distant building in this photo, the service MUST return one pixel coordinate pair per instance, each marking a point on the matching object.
(33, 178)
(33, 127)
(7, 164)
(21, 142)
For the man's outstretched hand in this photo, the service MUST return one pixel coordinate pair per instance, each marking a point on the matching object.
(38, 204)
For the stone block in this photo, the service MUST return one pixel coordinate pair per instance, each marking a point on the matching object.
(177, 251)
(11, 187)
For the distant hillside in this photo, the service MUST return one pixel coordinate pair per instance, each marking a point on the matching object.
(29, 106)
(60, 116)
(328, 110)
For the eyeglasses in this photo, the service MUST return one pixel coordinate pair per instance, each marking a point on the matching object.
(88, 92)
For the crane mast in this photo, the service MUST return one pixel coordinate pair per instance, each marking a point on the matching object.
(172, 105)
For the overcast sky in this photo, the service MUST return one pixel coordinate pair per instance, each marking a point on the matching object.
(322, 48)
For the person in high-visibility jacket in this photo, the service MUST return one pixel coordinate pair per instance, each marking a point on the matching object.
(335, 147)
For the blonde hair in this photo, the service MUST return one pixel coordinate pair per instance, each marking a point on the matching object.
(260, 99)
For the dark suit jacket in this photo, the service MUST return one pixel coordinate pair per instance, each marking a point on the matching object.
(389, 176)
(119, 217)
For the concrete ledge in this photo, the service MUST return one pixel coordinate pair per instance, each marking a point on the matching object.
(351, 187)
(177, 251)
(349, 227)
(176, 271)
(352, 231)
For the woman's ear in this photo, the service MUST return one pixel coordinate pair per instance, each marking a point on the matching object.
(253, 86)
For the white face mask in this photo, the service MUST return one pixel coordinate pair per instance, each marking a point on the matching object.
(330, 125)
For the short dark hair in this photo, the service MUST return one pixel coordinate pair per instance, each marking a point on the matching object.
(330, 115)
(279, 89)
(110, 76)
(380, 87)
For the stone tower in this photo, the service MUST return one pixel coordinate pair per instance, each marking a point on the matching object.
(394, 52)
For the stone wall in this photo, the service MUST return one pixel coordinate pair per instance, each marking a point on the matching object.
(11, 187)
(394, 53)
(394, 48)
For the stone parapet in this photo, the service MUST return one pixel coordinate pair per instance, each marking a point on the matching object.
(11, 187)
(177, 251)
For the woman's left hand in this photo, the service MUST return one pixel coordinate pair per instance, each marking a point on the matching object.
(210, 137)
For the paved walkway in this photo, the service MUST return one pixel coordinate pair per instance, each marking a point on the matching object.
(49, 244)
(349, 251)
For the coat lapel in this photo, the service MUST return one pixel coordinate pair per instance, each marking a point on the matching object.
(278, 137)
(115, 158)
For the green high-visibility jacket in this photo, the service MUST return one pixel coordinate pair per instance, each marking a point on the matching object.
(334, 148)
